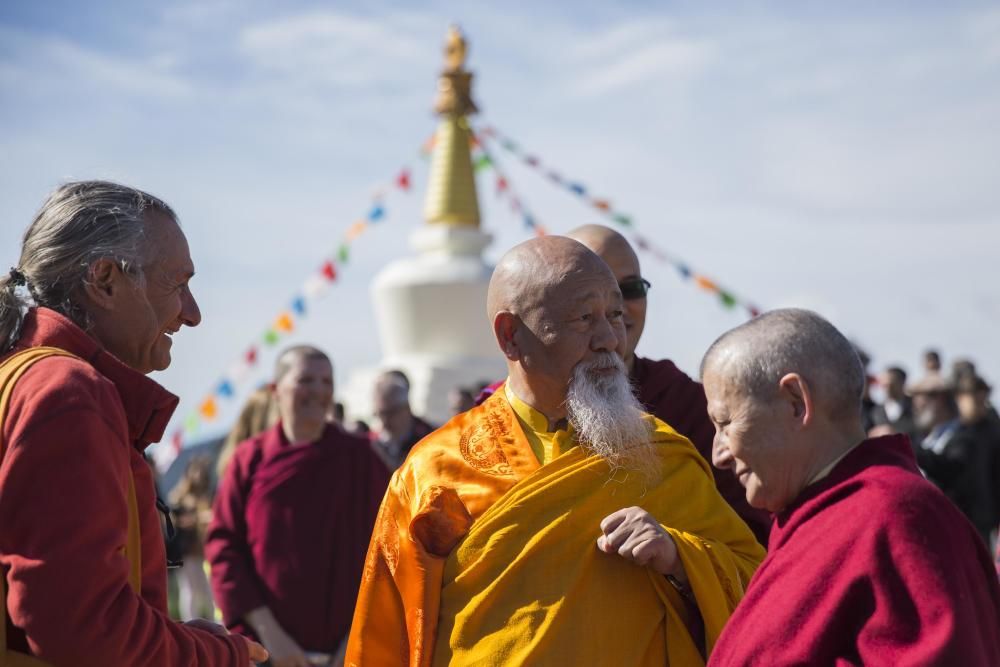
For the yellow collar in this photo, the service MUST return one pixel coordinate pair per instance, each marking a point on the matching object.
(532, 418)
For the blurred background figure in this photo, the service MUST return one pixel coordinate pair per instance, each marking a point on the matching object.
(461, 399)
(979, 433)
(932, 368)
(191, 502)
(897, 409)
(259, 413)
(962, 368)
(398, 428)
(292, 519)
(951, 458)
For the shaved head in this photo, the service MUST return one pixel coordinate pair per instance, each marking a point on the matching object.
(757, 354)
(605, 242)
(527, 276)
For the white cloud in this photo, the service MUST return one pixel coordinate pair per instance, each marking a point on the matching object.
(35, 60)
(333, 48)
(663, 63)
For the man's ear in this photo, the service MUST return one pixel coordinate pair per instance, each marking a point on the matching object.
(505, 325)
(795, 391)
(103, 281)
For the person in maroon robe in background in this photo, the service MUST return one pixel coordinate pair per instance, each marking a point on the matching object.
(292, 520)
(868, 562)
(665, 390)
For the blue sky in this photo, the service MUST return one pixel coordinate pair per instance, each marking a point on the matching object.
(832, 155)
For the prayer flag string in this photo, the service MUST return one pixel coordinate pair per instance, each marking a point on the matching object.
(505, 189)
(284, 324)
(727, 298)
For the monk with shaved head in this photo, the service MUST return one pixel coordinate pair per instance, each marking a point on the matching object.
(663, 389)
(556, 523)
(868, 562)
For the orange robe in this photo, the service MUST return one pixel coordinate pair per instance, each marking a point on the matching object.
(482, 556)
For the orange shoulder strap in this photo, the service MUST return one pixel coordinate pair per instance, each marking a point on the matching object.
(11, 371)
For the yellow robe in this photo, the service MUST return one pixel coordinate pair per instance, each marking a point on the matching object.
(480, 556)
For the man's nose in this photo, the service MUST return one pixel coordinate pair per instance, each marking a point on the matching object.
(190, 312)
(607, 338)
(721, 458)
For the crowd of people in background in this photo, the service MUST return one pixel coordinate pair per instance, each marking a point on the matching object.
(953, 428)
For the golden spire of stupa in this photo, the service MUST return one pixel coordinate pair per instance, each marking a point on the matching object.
(451, 193)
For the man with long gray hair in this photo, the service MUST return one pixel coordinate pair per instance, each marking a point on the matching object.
(868, 563)
(556, 523)
(87, 313)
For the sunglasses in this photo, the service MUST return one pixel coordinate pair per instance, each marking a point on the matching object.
(633, 289)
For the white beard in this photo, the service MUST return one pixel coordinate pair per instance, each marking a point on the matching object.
(608, 418)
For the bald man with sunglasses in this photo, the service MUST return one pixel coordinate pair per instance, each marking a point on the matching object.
(665, 390)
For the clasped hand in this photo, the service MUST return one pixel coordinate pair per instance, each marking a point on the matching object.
(636, 535)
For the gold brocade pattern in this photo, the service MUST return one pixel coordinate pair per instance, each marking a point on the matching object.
(480, 445)
(389, 541)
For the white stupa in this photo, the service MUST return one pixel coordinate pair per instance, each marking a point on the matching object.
(431, 307)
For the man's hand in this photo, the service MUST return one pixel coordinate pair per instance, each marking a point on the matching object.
(635, 535)
(284, 650)
(257, 652)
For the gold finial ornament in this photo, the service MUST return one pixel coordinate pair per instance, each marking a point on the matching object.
(455, 84)
(451, 193)
(454, 49)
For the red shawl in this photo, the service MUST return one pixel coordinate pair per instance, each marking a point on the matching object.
(872, 565)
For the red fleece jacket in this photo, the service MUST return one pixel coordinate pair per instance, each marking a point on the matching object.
(73, 430)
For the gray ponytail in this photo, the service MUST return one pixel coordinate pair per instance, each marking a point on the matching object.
(79, 224)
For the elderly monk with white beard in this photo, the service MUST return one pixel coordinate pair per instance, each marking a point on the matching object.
(556, 523)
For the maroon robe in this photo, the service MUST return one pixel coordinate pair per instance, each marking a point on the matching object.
(667, 392)
(290, 531)
(872, 565)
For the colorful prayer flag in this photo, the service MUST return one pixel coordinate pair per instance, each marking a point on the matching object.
(177, 441)
(377, 213)
(251, 356)
(482, 162)
(578, 189)
(706, 284)
(501, 184)
(343, 253)
(684, 271)
(329, 271)
(270, 337)
(403, 180)
(727, 299)
(225, 389)
(355, 230)
(602, 204)
(191, 423)
(299, 305)
(428, 146)
(284, 323)
(622, 219)
(208, 409)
